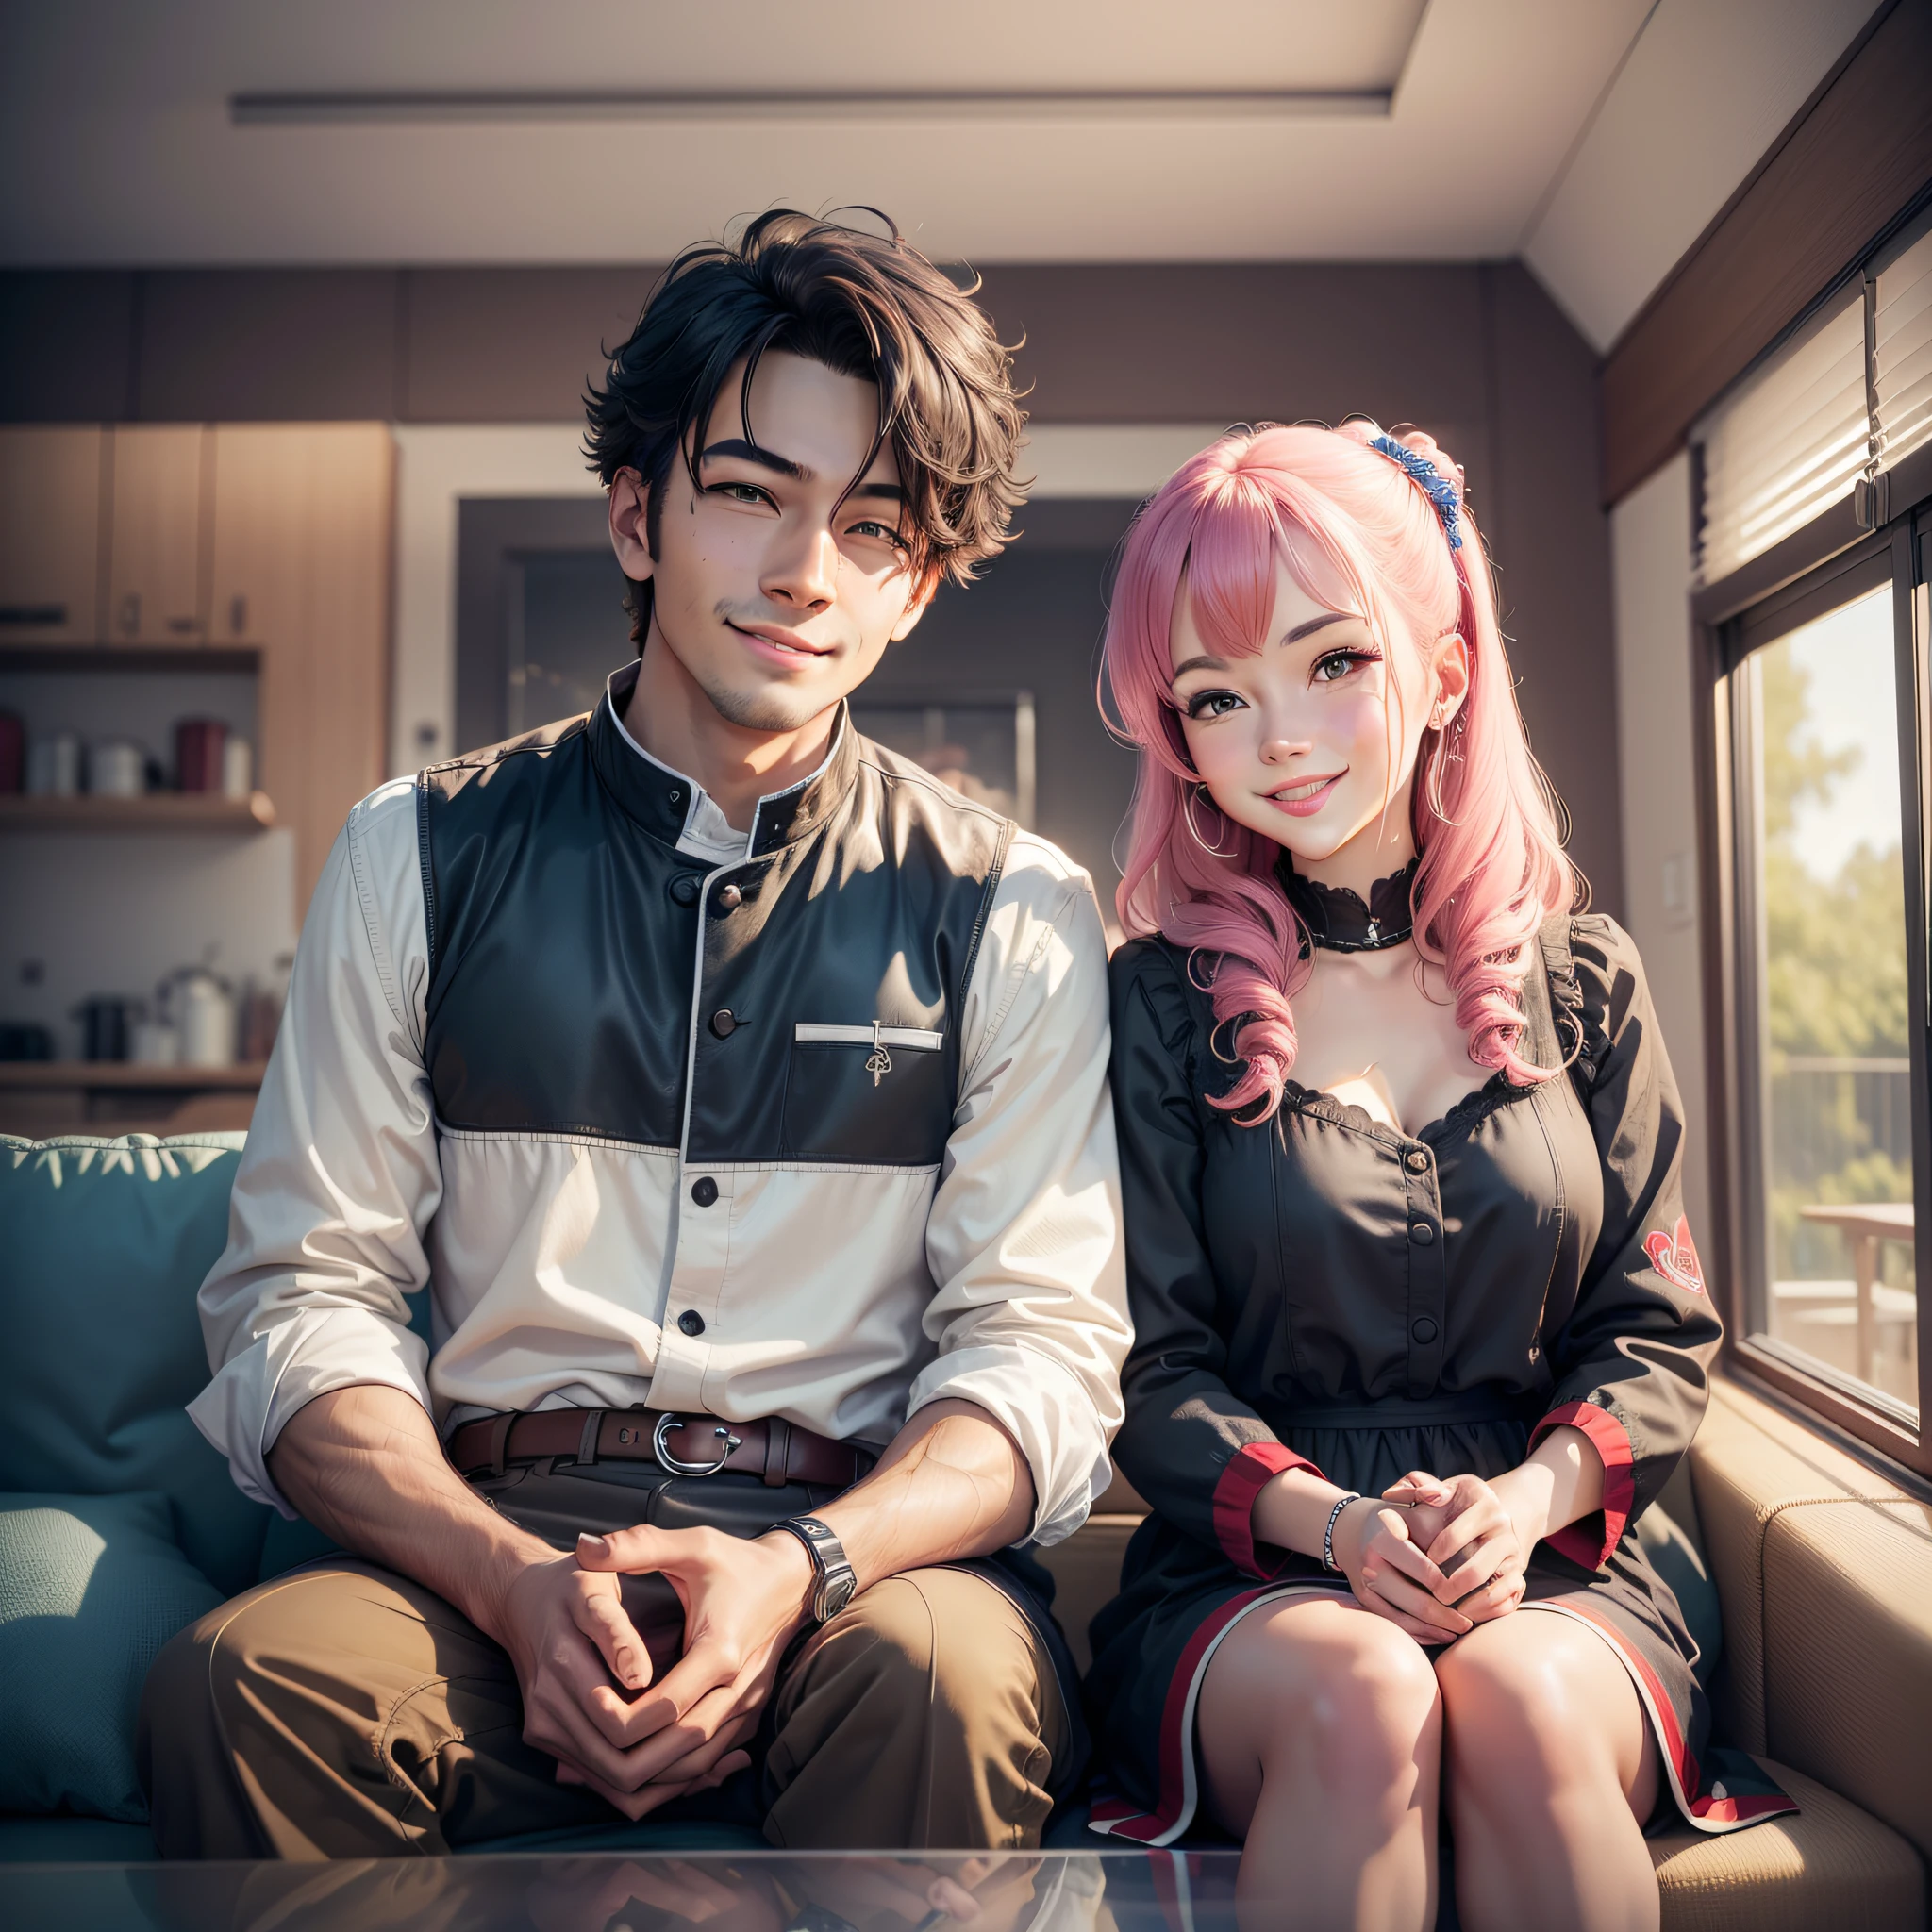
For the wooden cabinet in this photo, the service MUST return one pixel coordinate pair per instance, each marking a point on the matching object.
(302, 517)
(275, 537)
(157, 527)
(50, 535)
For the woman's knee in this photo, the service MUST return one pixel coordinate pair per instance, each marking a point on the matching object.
(1360, 1700)
(1518, 1725)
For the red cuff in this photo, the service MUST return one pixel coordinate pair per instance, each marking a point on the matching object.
(1584, 1541)
(1234, 1503)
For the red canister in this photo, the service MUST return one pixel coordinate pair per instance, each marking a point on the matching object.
(198, 743)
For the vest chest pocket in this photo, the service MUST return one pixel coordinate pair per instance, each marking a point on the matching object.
(874, 1094)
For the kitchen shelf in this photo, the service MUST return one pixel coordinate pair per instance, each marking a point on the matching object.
(100, 1077)
(158, 811)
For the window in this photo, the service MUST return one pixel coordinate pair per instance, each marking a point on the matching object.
(1814, 525)
(1826, 1115)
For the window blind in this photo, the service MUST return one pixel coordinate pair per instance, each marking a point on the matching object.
(1902, 354)
(1787, 446)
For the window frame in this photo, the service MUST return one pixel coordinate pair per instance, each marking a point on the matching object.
(1732, 620)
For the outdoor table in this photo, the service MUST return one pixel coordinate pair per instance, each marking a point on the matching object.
(1865, 1224)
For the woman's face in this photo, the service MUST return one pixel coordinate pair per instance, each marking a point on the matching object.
(1301, 742)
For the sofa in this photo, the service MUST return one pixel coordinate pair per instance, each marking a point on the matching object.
(1809, 1575)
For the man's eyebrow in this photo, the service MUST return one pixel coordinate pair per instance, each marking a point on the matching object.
(765, 458)
(890, 491)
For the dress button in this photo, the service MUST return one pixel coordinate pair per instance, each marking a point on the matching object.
(692, 1321)
(675, 794)
(729, 898)
(1418, 1162)
(1423, 1330)
(704, 1191)
(684, 889)
(1420, 1233)
(725, 1022)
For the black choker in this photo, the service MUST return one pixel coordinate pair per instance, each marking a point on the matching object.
(1335, 918)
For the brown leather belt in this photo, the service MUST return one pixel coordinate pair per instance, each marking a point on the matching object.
(678, 1444)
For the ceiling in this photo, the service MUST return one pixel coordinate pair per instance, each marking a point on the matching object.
(1594, 136)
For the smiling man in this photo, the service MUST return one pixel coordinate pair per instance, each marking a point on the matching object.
(739, 1094)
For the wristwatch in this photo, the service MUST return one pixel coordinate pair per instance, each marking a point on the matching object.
(835, 1582)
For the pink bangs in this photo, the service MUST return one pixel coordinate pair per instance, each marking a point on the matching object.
(1357, 534)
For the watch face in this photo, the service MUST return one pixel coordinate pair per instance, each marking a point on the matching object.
(834, 1594)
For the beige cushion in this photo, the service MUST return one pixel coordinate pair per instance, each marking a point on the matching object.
(1829, 1866)
(1848, 1653)
(1086, 1574)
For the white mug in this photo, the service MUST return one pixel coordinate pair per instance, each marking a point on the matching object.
(155, 1044)
(117, 768)
(52, 765)
(238, 768)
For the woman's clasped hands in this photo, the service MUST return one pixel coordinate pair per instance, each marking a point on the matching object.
(1436, 1557)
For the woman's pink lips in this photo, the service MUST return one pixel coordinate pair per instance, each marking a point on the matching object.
(1306, 808)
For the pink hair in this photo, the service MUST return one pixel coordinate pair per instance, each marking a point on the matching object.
(1351, 524)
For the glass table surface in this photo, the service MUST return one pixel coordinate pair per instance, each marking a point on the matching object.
(738, 1891)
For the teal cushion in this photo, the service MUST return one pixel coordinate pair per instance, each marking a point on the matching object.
(90, 1588)
(71, 1842)
(103, 1246)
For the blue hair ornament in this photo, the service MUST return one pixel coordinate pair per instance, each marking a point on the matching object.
(1433, 485)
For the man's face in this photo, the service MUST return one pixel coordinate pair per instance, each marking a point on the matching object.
(777, 583)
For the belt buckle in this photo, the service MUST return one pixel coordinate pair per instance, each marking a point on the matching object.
(670, 1465)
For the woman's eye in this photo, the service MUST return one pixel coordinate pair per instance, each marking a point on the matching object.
(1212, 704)
(1338, 664)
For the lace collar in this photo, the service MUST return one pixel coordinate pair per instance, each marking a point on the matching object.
(1336, 917)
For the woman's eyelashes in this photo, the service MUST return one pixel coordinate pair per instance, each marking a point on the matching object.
(1333, 666)
(1211, 703)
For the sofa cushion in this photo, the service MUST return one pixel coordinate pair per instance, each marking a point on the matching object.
(103, 1246)
(1828, 1864)
(90, 1588)
(73, 1842)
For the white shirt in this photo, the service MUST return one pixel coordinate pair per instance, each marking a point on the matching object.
(840, 1299)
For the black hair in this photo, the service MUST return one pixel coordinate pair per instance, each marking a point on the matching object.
(860, 303)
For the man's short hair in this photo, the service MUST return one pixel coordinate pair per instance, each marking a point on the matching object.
(860, 303)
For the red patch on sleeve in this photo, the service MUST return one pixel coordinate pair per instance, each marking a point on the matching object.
(1674, 1256)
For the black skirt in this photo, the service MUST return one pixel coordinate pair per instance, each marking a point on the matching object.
(1153, 1644)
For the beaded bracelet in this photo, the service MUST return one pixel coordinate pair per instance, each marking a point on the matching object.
(1328, 1562)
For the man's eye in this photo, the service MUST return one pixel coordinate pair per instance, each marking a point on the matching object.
(741, 492)
(1212, 704)
(885, 533)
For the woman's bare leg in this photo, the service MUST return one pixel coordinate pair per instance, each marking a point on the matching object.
(1552, 1769)
(1320, 1730)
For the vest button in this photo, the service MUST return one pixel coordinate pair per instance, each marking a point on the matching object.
(725, 1022)
(675, 794)
(692, 1321)
(729, 898)
(684, 889)
(704, 1191)
(1418, 1162)
(1420, 1233)
(1424, 1330)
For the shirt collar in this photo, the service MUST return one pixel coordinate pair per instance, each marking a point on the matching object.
(674, 803)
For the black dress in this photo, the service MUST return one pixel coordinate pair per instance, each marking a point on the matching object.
(1323, 1290)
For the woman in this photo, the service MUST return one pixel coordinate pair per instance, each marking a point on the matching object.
(1420, 1327)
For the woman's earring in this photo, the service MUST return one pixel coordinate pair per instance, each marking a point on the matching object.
(1213, 851)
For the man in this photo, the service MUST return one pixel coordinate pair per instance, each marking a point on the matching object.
(740, 1094)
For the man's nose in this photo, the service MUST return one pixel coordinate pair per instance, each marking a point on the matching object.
(805, 572)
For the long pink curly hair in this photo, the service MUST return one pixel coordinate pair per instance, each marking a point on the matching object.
(1348, 519)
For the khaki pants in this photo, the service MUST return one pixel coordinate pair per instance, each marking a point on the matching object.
(343, 1712)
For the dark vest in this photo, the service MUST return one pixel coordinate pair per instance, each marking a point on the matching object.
(588, 979)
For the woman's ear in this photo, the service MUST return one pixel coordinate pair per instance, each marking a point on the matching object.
(1450, 666)
(629, 529)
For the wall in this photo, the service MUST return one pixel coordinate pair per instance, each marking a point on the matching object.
(1650, 549)
(1477, 353)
